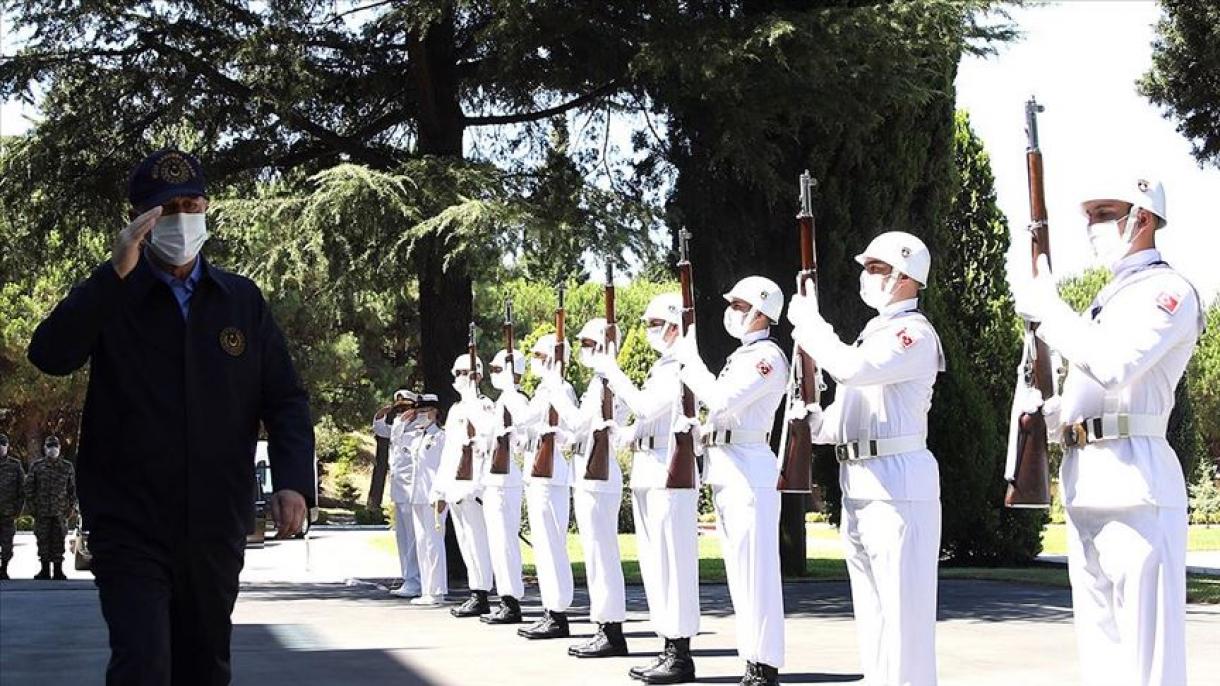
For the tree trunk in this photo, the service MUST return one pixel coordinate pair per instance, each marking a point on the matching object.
(381, 465)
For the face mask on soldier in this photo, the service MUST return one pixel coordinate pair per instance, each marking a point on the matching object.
(502, 379)
(735, 322)
(877, 290)
(177, 238)
(464, 385)
(52, 453)
(3, 450)
(655, 335)
(1110, 243)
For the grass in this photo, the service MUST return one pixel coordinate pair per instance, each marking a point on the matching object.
(825, 563)
(1200, 538)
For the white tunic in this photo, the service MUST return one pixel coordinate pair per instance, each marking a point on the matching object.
(580, 422)
(654, 407)
(415, 456)
(447, 487)
(561, 472)
(519, 409)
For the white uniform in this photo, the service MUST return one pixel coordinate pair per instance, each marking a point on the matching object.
(502, 494)
(743, 471)
(1126, 497)
(462, 497)
(415, 459)
(891, 503)
(404, 528)
(548, 502)
(597, 505)
(666, 520)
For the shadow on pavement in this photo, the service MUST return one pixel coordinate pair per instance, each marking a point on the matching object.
(263, 654)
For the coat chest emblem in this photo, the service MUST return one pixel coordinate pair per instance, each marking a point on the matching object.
(233, 341)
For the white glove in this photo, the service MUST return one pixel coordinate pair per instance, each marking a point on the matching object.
(603, 364)
(623, 438)
(811, 414)
(803, 311)
(1035, 297)
(686, 348)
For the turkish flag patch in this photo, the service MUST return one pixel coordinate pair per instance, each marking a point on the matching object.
(764, 367)
(905, 339)
(1169, 302)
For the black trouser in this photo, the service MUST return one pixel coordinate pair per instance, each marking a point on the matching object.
(168, 609)
(8, 529)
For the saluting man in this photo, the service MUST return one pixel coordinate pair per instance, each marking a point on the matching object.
(510, 418)
(50, 491)
(878, 423)
(597, 503)
(547, 499)
(421, 443)
(742, 469)
(666, 521)
(396, 424)
(462, 496)
(1122, 484)
(12, 487)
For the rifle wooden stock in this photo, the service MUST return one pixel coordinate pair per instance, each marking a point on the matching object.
(465, 470)
(682, 465)
(500, 459)
(1031, 485)
(544, 460)
(796, 472)
(597, 468)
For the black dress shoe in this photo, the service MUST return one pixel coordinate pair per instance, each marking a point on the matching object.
(638, 672)
(758, 674)
(552, 625)
(44, 573)
(474, 606)
(58, 573)
(608, 642)
(509, 612)
(678, 667)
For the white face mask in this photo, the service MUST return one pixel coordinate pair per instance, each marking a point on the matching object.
(586, 356)
(1110, 244)
(52, 453)
(539, 366)
(177, 238)
(3, 451)
(655, 335)
(873, 290)
(502, 380)
(735, 322)
(464, 385)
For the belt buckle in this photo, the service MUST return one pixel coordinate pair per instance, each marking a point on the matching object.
(1075, 435)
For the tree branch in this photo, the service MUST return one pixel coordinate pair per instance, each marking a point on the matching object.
(523, 117)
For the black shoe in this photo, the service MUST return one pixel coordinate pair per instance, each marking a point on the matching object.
(677, 668)
(638, 672)
(45, 574)
(474, 606)
(758, 674)
(608, 642)
(552, 625)
(509, 612)
(58, 574)
(4, 571)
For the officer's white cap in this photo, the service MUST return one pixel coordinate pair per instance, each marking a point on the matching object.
(404, 394)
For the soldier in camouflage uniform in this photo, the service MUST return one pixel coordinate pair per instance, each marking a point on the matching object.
(50, 490)
(12, 476)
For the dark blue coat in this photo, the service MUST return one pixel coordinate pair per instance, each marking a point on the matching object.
(173, 407)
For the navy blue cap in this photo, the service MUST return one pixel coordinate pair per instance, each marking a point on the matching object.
(163, 175)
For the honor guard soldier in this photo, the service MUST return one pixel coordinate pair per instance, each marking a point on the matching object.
(185, 361)
(50, 490)
(395, 424)
(547, 498)
(12, 486)
(1122, 484)
(502, 493)
(418, 443)
(461, 496)
(666, 520)
(742, 469)
(878, 423)
(597, 502)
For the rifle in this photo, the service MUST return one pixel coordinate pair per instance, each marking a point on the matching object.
(805, 385)
(1028, 471)
(503, 453)
(544, 459)
(682, 466)
(598, 466)
(465, 470)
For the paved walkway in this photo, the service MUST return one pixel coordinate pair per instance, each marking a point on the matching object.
(319, 628)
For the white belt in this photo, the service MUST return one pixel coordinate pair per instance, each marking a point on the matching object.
(856, 451)
(735, 437)
(1112, 426)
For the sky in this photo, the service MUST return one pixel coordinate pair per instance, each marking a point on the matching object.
(1081, 60)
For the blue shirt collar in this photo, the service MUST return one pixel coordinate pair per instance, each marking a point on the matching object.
(170, 280)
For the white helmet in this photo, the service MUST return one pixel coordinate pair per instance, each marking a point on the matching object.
(666, 307)
(903, 252)
(462, 364)
(593, 330)
(546, 346)
(761, 293)
(501, 361)
(1141, 192)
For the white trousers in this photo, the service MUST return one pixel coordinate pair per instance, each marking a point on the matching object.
(748, 521)
(893, 549)
(471, 530)
(666, 530)
(1128, 572)
(430, 550)
(404, 535)
(502, 511)
(597, 521)
(548, 508)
